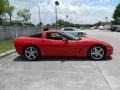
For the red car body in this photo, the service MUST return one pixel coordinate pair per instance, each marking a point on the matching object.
(49, 47)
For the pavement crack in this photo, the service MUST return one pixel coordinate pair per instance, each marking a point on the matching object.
(99, 69)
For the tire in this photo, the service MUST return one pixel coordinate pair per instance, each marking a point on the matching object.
(31, 53)
(97, 53)
(80, 34)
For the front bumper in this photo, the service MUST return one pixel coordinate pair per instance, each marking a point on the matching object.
(109, 51)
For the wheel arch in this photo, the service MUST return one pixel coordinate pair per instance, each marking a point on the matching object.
(25, 46)
(79, 33)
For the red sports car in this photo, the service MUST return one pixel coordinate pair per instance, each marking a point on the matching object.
(58, 43)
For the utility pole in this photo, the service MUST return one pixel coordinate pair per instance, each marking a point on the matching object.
(39, 16)
(36, 3)
(56, 4)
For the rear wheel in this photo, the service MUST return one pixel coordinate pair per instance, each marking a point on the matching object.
(80, 34)
(31, 53)
(97, 53)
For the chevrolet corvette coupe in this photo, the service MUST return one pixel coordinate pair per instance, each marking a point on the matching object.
(55, 43)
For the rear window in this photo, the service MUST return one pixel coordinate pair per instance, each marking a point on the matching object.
(68, 29)
(37, 35)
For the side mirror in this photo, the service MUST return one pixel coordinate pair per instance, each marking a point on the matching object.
(65, 40)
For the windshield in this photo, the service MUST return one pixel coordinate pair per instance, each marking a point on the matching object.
(69, 36)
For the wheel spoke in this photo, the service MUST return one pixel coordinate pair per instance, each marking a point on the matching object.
(31, 49)
(34, 52)
(33, 56)
(100, 50)
(92, 53)
(95, 49)
(100, 55)
(29, 55)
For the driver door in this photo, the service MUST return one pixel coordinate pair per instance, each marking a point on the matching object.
(54, 44)
(72, 48)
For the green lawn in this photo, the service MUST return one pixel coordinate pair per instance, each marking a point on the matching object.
(6, 45)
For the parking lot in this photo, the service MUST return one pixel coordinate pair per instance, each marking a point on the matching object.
(64, 73)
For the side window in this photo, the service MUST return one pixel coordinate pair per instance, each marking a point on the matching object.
(38, 35)
(54, 36)
(68, 29)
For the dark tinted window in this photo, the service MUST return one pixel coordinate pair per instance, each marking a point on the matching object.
(54, 36)
(37, 35)
(68, 29)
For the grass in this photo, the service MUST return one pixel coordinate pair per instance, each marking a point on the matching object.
(6, 45)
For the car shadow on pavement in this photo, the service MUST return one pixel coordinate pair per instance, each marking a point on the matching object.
(62, 59)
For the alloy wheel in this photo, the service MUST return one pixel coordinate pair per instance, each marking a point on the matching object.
(31, 53)
(97, 53)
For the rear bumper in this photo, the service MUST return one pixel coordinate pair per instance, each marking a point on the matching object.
(18, 49)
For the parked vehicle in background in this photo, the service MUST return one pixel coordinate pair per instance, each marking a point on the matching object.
(107, 27)
(101, 28)
(115, 28)
(74, 31)
(118, 28)
(93, 28)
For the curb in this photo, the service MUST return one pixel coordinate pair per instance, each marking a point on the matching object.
(7, 53)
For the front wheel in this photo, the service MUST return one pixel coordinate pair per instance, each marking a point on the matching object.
(97, 53)
(31, 53)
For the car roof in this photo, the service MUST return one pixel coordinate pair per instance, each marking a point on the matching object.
(53, 31)
(68, 28)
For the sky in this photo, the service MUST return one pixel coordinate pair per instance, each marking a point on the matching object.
(78, 11)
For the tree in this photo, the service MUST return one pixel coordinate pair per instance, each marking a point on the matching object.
(10, 10)
(98, 23)
(24, 15)
(3, 6)
(63, 23)
(116, 15)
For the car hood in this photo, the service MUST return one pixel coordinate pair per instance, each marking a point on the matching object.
(96, 41)
(88, 39)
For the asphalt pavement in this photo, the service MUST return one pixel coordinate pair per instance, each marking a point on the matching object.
(63, 73)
